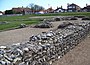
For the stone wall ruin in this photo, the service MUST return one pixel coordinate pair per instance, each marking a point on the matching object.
(45, 48)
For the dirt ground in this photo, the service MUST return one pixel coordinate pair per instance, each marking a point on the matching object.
(21, 35)
(80, 55)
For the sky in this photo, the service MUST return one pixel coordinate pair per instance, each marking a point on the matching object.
(9, 4)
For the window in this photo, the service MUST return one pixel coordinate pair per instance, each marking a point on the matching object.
(73, 7)
(69, 10)
(70, 7)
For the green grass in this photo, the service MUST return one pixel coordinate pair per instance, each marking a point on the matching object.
(14, 24)
(15, 21)
(64, 14)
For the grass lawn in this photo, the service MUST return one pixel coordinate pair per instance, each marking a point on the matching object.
(15, 24)
(14, 21)
(65, 14)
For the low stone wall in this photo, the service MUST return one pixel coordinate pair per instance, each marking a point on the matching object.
(45, 48)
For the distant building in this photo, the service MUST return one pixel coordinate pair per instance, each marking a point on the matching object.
(1, 13)
(22, 10)
(59, 9)
(86, 9)
(27, 11)
(42, 12)
(73, 8)
(50, 10)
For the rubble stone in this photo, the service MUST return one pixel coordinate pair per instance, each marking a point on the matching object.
(45, 48)
(57, 19)
(49, 20)
(73, 18)
(80, 16)
(44, 24)
(65, 24)
(22, 25)
(85, 18)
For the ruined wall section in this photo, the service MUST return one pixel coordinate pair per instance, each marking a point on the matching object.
(45, 48)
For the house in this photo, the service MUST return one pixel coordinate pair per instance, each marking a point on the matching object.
(42, 12)
(50, 10)
(27, 11)
(59, 9)
(73, 8)
(1, 13)
(86, 9)
(17, 10)
(22, 10)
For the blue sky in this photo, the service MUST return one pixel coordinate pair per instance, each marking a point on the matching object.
(9, 4)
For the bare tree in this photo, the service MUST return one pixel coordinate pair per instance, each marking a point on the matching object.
(35, 7)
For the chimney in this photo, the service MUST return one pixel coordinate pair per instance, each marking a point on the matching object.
(61, 7)
(86, 4)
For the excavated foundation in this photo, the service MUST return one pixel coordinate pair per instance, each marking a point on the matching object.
(45, 48)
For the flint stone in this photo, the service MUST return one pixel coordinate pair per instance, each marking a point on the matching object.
(64, 24)
(48, 20)
(3, 47)
(57, 19)
(22, 25)
(86, 18)
(45, 48)
(73, 18)
(79, 16)
(44, 25)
